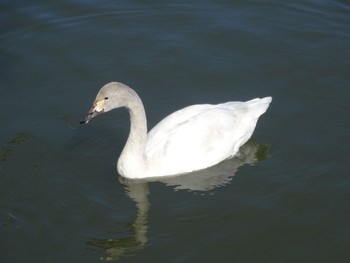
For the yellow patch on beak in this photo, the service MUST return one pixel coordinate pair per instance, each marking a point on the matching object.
(99, 105)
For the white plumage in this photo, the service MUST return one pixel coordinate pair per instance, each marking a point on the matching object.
(190, 139)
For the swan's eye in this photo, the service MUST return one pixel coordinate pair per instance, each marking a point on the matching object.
(106, 98)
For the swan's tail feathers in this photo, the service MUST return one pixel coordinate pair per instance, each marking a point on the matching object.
(259, 106)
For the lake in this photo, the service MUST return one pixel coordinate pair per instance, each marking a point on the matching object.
(284, 199)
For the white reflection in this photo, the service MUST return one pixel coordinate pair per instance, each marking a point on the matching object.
(221, 174)
(113, 249)
(204, 180)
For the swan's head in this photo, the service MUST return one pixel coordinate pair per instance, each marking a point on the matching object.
(111, 96)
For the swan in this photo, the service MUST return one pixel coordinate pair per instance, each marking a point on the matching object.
(190, 139)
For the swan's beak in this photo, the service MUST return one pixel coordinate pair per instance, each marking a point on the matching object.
(97, 109)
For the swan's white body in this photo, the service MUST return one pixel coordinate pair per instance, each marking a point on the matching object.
(190, 139)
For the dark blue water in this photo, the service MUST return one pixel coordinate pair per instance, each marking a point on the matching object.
(284, 200)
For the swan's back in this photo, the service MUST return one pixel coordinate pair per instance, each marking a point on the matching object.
(200, 136)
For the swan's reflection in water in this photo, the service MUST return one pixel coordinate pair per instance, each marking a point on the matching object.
(204, 180)
(221, 174)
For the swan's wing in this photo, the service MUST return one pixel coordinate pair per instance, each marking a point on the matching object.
(199, 136)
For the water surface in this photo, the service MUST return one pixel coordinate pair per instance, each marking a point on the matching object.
(285, 199)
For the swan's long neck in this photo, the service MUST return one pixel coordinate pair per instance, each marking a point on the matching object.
(132, 161)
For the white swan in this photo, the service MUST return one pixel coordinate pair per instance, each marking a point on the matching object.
(190, 139)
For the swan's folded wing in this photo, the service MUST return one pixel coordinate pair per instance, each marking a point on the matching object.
(198, 137)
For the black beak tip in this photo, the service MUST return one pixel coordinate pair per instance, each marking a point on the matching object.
(86, 118)
(89, 116)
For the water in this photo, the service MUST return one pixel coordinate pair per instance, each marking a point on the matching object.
(285, 200)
